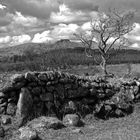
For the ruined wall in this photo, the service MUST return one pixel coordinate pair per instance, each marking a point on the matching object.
(57, 93)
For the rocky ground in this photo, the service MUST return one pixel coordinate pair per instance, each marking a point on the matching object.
(74, 127)
(126, 128)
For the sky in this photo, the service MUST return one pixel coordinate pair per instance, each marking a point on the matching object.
(45, 21)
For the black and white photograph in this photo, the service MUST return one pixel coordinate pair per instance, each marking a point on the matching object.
(69, 69)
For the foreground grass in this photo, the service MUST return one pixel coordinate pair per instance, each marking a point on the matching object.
(126, 128)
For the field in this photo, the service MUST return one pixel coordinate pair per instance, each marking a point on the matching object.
(126, 128)
(61, 55)
(125, 64)
(119, 70)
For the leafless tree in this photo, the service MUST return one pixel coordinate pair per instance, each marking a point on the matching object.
(106, 33)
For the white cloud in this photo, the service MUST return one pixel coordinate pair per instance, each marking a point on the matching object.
(136, 28)
(134, 35)
(20, 24)
(86, 26)
(66, 15)
(5, 39)
(62, 31)
(29, 21)
(43, 37)
(15, 40)
(135, 45)
(2, 6)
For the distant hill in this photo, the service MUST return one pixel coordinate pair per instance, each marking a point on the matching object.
(37, 47)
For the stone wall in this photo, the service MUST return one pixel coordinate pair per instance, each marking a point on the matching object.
(56, 93)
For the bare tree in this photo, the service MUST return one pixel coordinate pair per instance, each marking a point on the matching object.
(106, 33)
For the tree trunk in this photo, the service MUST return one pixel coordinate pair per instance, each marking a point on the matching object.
(103, 65)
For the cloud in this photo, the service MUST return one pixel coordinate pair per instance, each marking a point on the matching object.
(15, 40)
(66, 15)
(60, 31)
(135, 45)
(43, 37)
(87, 5)
(36, 8)
(2, 6)
(119, 4)
(104, 5)
(20, 24)
(86, 26)
(28, 21)
(51, 20)
(134, 35)
(64, 31)
(5, 17)
(4, 40)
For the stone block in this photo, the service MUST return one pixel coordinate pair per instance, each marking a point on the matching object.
(25, 102)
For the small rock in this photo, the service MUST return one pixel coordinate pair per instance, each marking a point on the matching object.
(32, 84)
(71, 120)
(109, 93)
(72, 94)
(11, 109)
(45, 123)
(42, 77)
(119, 113)
(12, 100)
(2, 110)
(36, 91)
(2, 100)
(108, 108)
(1, 131)
(17, 77)
(17, 122)
(41, 83)
(50, 88)
(30, 76)
(2, 95)
(77, 131)
(5, 119)
(25, 103)
(70, 108)
(46, 97)
(3, 104)
(19, 85)
(7, 87)
(27, 133)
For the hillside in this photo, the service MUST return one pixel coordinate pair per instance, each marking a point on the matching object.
(62, 54)
(36, 47)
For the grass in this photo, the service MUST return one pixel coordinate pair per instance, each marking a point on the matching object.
(126, 128)
(119, 70)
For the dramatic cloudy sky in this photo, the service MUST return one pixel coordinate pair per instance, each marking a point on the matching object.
(39, 21)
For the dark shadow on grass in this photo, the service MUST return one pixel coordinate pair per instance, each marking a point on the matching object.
(112, 114)
(80, 123)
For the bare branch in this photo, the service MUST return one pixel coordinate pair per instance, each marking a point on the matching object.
(112, 44)
(112, 25)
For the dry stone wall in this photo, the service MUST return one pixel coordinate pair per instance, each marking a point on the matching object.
(56, 94)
